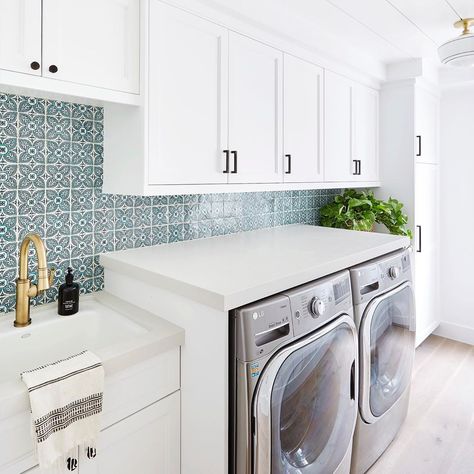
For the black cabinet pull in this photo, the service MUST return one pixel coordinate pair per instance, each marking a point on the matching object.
(357, 168)
(418, 153)
(419, 238)
(234, 154)
(71, 464)
(288, 171)
(352, 388)
(53, 68)
(360, 167)
(227, 163)
(35, 65)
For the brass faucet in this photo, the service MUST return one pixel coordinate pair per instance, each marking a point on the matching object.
(24, 288)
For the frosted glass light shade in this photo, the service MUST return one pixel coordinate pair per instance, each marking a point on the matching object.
(458, 52)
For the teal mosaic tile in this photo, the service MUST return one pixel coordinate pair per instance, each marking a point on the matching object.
(51, 156)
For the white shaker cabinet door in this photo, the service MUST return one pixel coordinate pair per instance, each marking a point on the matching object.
(147, 442)
(187, 98)
(20, 36)
(255, 111)
(426, 250)
(92, 42)
(365, 128)
(427, 126)
(338, 164)
(302, 121)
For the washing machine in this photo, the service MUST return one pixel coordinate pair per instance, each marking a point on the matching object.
(384, 313)
(293, 365)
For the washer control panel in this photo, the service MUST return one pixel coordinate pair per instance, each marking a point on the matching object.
(316, 303)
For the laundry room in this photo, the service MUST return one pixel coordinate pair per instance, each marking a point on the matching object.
(235, 237)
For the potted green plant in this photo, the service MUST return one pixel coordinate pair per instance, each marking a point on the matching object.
(361, 210)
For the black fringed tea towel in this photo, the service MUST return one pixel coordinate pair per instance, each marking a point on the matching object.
(66, 402)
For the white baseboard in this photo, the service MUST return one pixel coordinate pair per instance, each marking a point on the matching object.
(457, 332)
(420, 337)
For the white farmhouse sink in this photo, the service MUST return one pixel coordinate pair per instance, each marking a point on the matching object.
(119, 333)
(51, 337)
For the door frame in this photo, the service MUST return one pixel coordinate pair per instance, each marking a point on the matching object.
(364, 341)
(263, 392)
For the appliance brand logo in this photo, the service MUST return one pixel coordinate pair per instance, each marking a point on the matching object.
(258, 314)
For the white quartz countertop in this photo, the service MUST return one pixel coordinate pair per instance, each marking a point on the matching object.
(229, 271)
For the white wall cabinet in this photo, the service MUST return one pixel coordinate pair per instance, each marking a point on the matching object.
(20, 36)
(80, 48)
(188, 98)
(426, 249)
(302, 121)
(223, 112)
(255, 111)
(351, 130)
(147, 442)
(93, 43)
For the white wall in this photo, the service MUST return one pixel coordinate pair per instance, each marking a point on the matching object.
(457, 214)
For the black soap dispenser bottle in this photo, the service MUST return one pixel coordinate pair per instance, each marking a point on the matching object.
(68, 297)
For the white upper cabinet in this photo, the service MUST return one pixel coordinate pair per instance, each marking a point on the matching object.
(255, 111)
(20, 36)
(351, 130)
(338, 164)
(302, 121)
(92, 42)
(365, 132)
(427, 126)
(188, 98)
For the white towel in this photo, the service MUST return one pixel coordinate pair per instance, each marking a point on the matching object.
(66, 402)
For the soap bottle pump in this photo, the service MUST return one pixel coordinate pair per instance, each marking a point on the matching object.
(68, 297)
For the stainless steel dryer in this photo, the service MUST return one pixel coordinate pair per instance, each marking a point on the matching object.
(293, 383)
(385, 317)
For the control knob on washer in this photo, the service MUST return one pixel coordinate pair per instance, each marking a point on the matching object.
(394, 272)
(317, 307)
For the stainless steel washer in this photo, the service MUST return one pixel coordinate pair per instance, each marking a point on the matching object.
(293, 381)
(385, 317)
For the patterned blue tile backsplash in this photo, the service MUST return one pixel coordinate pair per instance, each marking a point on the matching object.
(51, 156)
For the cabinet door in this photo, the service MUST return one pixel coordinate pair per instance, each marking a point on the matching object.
(92, 42)
(338, 164)
(20, 36)
(365, 127)
(427, 126)
(187, 98)
(147, 442)
(255, 111)
(302, 121)
(426, 250)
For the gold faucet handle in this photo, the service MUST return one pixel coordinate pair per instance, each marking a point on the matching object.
(51, 274)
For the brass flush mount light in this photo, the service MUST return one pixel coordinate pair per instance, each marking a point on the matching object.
(459, 51)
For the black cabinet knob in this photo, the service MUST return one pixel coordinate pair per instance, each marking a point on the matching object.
(53, 68)
(35, 65)
(71, 464)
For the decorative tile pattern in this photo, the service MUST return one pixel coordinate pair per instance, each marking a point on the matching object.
(51, 156)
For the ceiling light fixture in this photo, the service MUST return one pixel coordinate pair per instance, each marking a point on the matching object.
(459, 51)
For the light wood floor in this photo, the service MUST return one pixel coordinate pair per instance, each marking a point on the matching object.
(438, 434)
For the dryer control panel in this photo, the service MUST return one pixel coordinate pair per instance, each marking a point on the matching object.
(377, 276)
(316, 303)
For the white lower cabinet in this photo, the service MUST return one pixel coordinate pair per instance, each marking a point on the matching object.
(147, 442)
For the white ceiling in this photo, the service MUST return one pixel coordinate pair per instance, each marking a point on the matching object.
(386, 31)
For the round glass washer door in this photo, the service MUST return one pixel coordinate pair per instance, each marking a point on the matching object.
(305, 405)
